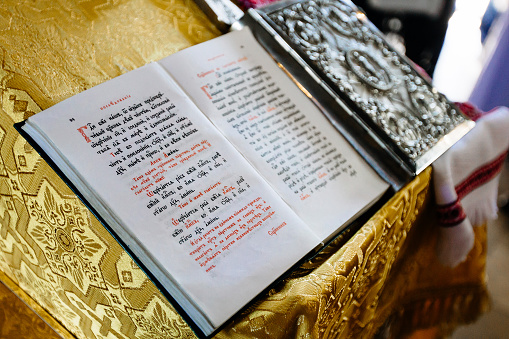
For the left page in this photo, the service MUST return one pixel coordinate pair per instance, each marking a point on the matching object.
(152, 164)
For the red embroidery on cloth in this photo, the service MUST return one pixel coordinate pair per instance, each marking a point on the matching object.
(481, 176)
(451, 214)
(470, 110)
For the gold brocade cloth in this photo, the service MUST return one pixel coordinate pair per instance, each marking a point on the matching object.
(384, 278)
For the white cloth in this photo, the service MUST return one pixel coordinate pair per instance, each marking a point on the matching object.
(466, 181)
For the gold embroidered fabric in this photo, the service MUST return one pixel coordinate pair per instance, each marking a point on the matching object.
(385, 280)
(59, 256)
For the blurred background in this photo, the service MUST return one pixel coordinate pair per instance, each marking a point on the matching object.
(474, 66)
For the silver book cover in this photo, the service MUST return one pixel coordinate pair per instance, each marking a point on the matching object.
(348, 57)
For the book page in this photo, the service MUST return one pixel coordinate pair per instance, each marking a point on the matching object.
(271, 121)
(179, 187)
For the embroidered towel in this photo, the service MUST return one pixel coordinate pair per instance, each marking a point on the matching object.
(466, 181)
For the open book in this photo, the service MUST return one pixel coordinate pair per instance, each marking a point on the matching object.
(212, 167)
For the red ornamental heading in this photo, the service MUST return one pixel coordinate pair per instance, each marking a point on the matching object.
(113, 103)
(81, 130)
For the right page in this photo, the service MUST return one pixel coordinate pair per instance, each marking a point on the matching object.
(278, 129)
